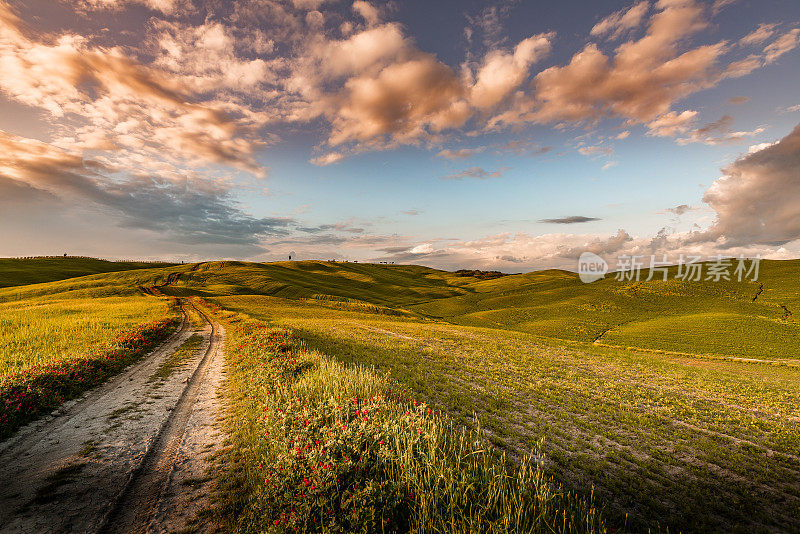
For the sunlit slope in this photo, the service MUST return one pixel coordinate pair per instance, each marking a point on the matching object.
(41, 331)
(384, 285)
(65, 319)
(352, 284)
(15, 272)
(720, 318)
(113, 284)
(728, 318)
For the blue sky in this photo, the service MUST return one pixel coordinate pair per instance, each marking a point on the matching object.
(497, 135)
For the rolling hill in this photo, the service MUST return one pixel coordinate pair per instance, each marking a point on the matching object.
(23, 271)
(726, 318)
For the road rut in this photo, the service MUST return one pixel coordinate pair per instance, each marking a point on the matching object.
(107, 462)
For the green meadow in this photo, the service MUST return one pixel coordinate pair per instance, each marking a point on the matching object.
(21, 271)
(675, 404)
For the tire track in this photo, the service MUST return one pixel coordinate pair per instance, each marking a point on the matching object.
(138, 502)
(30, 435)
(101, 462)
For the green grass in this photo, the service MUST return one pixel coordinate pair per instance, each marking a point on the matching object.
(23, 271)
(555, 304)
(666, 440)
(41, 331)
(322, 447)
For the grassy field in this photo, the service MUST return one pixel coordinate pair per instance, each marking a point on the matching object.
(678, 402)
(37, 332)
(702, 318)
(317, 446)
(55, 342)
(667, 440)
(22, 271)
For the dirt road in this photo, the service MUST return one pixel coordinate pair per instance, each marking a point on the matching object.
(129, 456)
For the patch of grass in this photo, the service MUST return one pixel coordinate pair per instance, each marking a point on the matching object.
(119, 412)
(88, 448)
(655, 434)
(320, 447)
(194, 482)
(178, 358)
(41, 331)
(38, 389)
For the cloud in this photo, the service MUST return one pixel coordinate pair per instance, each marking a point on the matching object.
(623, 135)
(205, 56)
(718, 132)
(377, 89)
(737, 100)
(596, 150)
(367, 11)
(756, 199)
(186, 208)
(719, 5)
(327, 159)
(217, 88)
(510, 258)
(116, 103)
(618, 24)
(412, 212)
(759, 35)
(167, 7)
(759, 147)
(642, 79)
(502, 72)
(609, 165)
(477, 173)
(309, 5)
(680, 210)
(489, 23)
(524, 148)
(783, 44)
(671, 124)
(461, 153)
(570, 220)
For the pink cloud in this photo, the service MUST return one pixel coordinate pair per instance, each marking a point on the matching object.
(618, 24)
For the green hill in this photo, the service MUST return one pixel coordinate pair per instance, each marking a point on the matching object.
(23, 271)
(726, 318)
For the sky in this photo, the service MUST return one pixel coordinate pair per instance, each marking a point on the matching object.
(503, 135)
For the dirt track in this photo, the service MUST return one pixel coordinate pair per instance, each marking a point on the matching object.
(129, 456)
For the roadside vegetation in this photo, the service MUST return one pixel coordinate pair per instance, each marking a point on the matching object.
(55, 343)
(677, 404)
(40, 388)
(39, 331)
(317, 446)
(678, 442)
